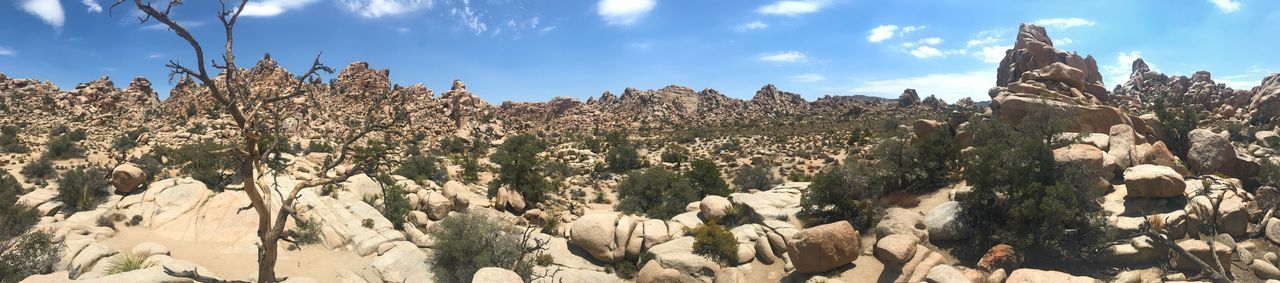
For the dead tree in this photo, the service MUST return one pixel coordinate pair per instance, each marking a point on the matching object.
(1214, 272)
(255, 113)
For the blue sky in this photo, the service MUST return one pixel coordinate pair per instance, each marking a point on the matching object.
(535, 50)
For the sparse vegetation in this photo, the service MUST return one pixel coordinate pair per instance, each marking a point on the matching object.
(125, 262)
(307, 233)
(845, 192)
(755, 177)
(22, 254)
(656, 193)
(395, 206)
(206, 161)
(1178, 119)
(519, 167)
(704, 177)
(9, 141)
(41, 168)
(622, 158)
(715, 242)
(467, 242)
(82, 189)
(423, 168)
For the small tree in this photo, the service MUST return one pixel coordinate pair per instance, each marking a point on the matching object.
(705, 178)
(655, 192)
(676, 154)
(422, 168)
(1178, 121)
(755, 177)
(82, 189)
(622, 158)
(519, 167)
(845, 192)
(467, 242)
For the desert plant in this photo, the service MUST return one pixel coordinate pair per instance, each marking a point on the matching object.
(715, 242)
(318, 146)
(63, 147)
(467, 242)
(125, 262)
(9, 141)
(622, 158)
(395, 206)
(422, 168)
(470, 168)
(41, 168)
(704, 176)
(676, 154)
(655, 192)
(519, 167)
(206, 161)
(755, 177)
(128, 140)
(81, 189)
(307, 233)
(845, 192)
(22, 254)
(1178, 122)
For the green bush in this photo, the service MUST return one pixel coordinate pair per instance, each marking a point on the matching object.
(82, 189)
(395, 206)
(923, 165)
(1268, 173)
(307, 233)
(41, 168)
(453, 145)
(318, 146)
(63, 147)
(470, 168)
(715, 242)
(423, 168)
(9, 141)
(519, 167)
(1023, 198)
(125, 262)
(704, 177)
(758, 177)
(128, 140)
(845, 192)
(1178, 123)
(622, 158)
(207, 162)
(22, 254)
(655, 192)
(467, 242)
(676, 154)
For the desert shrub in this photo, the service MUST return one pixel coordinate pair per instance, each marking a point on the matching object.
(1268, 173)
(59, 130)
(715, 242)
(624, 269)
(519, 167)
(731, 145)
(923, 165)
(63, 147)
(470, 168)
(191, 110)
(467, 242)
(128, 140)
(704, 177)
(858, 137)
(366, 223)
(82, 189)
(22, 254)
(125, 262)
(845, 192)
(307, 233)
(676, 154)
(655, 192)
(318, 146)
(1023, 198)
(422, 168)
(395, 206)
(758, 177)
(1178, 123)
(206, 162)
(553, 225)
(453, 145)
(41, 168)
(622, 158)
(593, 144)
(198, 129)
(9, 141)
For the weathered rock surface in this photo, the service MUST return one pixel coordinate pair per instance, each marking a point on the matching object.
(823, 247)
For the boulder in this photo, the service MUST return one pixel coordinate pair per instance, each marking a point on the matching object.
(1027, 275)
(495, 275)
(653, 272)
(1000, 256)
(899, 220)
(147, 249)
(1087, 157)
(1121, 144)
(943, 273)
(1267, 138)
(127, 177)
(438, 206)
(1153, 181)
(923, 128)
(896, 249)
(1200, 249)
(823, 247)
(714, 207)
(1213, 153)
(594, 233)
(452, 191)
(943, 222)
(1265, 270)
(1159, 154)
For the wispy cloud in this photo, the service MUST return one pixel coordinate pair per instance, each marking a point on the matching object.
(49, 11)
(92, 6)
(948, 86)
(1064, 23)
(271, 8)
(924, 52)
(793, 7)
(785, 57)
(381, 8)
(753, 25)
(807, 78)
(624, 12)
(5, 51)
(1119, 72)
(992, 54)
(1247, 80)
(470, 18)
(1226, 6)
(155, 56)
(885, 32)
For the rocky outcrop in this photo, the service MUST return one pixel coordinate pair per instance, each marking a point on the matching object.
(1213, 153)
(1198, 91)
(1033, 55)
(1153, 181)
(908, 98)
(1264, 105)
(823, 247)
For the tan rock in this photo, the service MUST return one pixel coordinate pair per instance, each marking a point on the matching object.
(823, 247)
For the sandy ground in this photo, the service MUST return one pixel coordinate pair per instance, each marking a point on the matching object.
(315, 261)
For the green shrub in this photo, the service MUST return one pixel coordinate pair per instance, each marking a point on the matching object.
(125, 262)
(1177, 123)
(924, 165)
(520, 169)
(845, 192)
(63, 147)
(1268, 173)
(318, 146)
(82, 189)
(41, 168)
(757, 177)
(704, 177)
(128, 140)
(715, 242)
(207, 162)
(655, 192)
(623, 269)
(423, 168)
(470, 168)
(9, 141)
(622, 158)
(453, 145)
(395, 206)
(467, 242)
(676, 154)
(1023, 198)
(307, 233)
(366, 223)
(22, 254)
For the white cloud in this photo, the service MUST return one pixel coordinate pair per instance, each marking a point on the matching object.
(931, 41)
(547, 29)
(753, 25)
(885, 32)
(1247, 80)
(981, 41)
(50, 11)
(380, 8)
(92, 5)
(948, 86)
(785, 57)
(624, 12)
(1226, 6)
(1063, 23)
(5, 51)
(641, 45)
(470, 18)
(1063, 41)
(992, 54)
(924, 52)
(807, 78)
(793, 7)
(403, 29)
(1123, 67)
(155, 56)
(271, 8)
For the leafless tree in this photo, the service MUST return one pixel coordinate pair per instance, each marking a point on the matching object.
(255, 113)
(1214, 272)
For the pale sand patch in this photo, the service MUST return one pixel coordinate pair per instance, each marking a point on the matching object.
(315, 261)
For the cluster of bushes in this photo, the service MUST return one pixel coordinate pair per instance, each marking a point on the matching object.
(423, 168)
(1023, 198)
(22, 254)
(82, 189)
(622, 158)
(520, 169)
(467, 242)
(715, 242)
(206, 161)
(63, 144)
(1178, 121)
(662, 194)
(676, 154)
(128, 141)
(845, 192)
(755, 177)
(9, 141)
